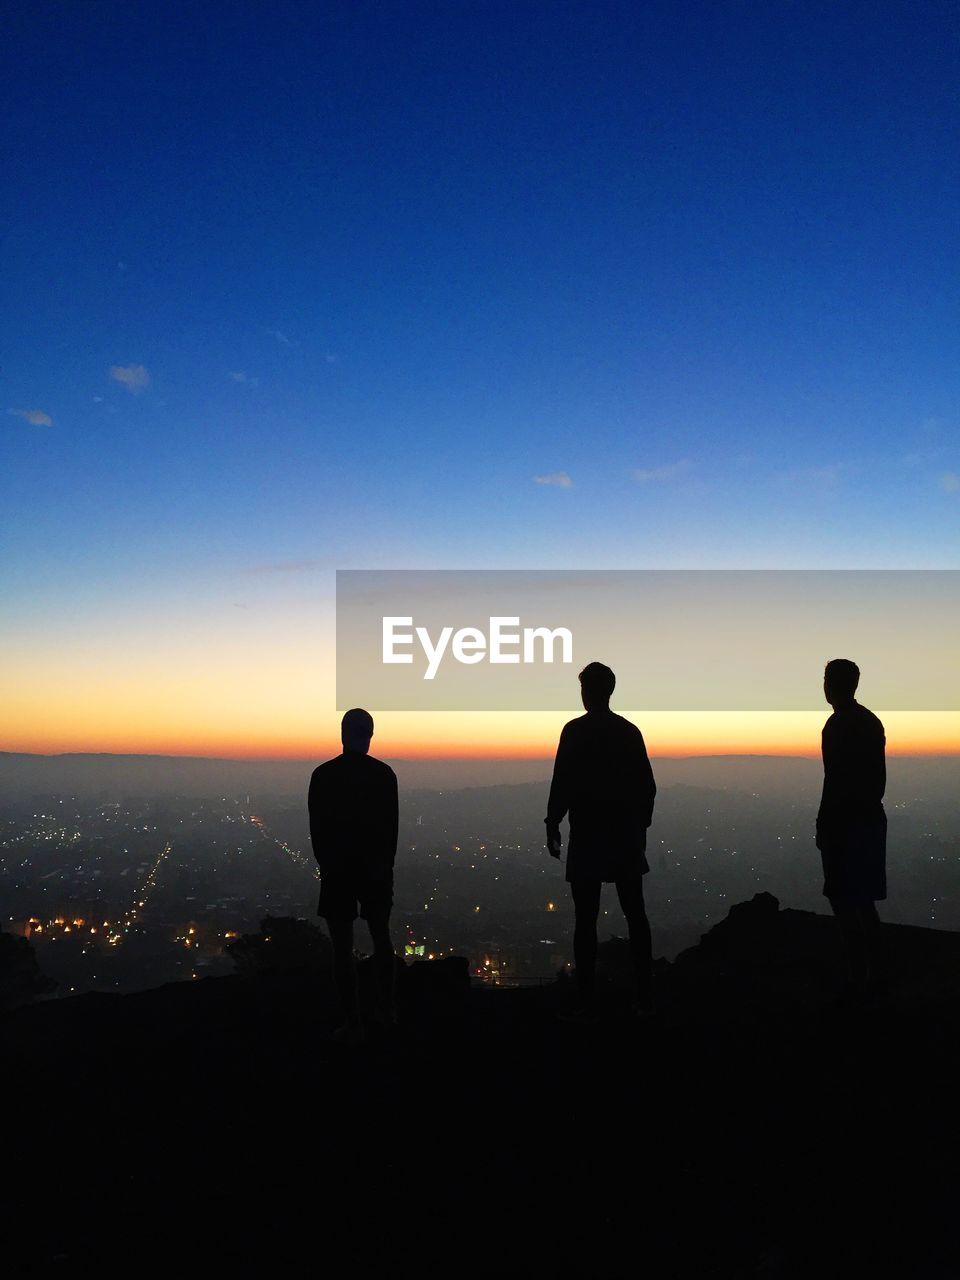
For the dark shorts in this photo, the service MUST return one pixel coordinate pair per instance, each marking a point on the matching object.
(855, 863)
(608, 852)
(344, 897)
(605, 865)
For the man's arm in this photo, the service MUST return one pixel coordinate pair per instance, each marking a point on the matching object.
(823, 756)
(882, 761)
(647, 784)
(316, 797)
(558, 802)
(392, 815)
(828, 753)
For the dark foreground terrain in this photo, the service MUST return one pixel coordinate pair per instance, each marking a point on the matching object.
(751, 1128)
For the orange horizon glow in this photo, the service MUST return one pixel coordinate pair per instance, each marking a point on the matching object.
(495, 736)
(199, 686)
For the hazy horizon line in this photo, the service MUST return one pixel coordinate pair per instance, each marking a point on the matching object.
(459, 758)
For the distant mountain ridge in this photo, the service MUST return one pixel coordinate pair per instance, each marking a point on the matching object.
(25, 773)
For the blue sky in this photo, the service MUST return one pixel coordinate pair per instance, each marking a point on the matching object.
(308, 285)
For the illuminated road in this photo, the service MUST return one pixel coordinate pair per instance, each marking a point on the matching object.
(130, 916)
(307, 864)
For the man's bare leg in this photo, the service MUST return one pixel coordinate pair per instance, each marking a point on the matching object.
(586, 905)
(860, 928)
(385, 963)
(873, 948)
(630, 893)
(345, 974)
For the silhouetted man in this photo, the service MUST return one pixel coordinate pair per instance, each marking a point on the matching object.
(851, 823)
(353, 828)
(603, 780)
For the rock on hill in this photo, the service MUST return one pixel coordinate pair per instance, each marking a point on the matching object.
(751, 1128)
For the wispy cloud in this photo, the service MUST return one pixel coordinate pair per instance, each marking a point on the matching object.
(950, 482)
(282, 338)
(559, 479)
(36, 417)
(132, 376)
(245, 378)
(654, 475)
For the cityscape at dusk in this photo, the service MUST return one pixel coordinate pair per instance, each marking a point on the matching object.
(127, 892)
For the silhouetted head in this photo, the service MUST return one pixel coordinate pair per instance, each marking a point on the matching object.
(597, 683)
(840, 680)
(356, 730)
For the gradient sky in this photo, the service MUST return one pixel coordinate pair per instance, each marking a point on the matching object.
(290, 287)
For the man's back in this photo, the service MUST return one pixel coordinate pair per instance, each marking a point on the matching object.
(854, 767)
(353, 810)
(602, 777)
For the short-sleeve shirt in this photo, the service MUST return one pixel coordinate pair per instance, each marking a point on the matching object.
(602, 778)
(354, 814)
(851, 822)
